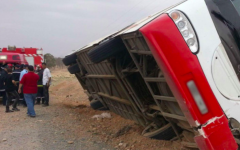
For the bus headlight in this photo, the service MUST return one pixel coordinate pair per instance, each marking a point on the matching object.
(185, 33)
(190, 42)
(181, 24)
(186, 29)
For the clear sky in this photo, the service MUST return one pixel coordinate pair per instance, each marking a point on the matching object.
(60, 26)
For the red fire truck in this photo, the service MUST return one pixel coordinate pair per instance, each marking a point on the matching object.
(12, 58)
(34, 56)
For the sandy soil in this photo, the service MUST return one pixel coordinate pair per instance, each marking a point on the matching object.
(67, 124)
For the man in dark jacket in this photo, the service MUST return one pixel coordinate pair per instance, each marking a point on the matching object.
(3, 75)
(10, 86)
(16, 73)
(16, 76)
(3, 65)
(40, 94)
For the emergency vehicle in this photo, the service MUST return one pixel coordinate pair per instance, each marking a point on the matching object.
(175, 72)
(34, 56)
(12, 58)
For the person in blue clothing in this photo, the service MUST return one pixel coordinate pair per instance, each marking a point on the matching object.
(23, 72)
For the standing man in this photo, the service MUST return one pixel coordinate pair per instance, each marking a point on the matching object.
(23, 72)
(3, 75)
(16, 75)
(40, 94)
(29, 83)
(10, 85)
(46, 83)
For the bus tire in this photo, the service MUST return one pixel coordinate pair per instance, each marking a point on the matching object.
(74, 69)
(106, 50)
(69, 59)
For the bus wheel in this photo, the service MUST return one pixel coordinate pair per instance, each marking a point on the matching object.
(106, 50)
(74, 69)
(70, 59)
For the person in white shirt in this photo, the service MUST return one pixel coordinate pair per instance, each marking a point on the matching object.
(46, 83)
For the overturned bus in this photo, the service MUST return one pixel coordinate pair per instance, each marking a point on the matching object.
(176, 73)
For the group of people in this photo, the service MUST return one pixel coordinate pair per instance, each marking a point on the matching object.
(21, 83)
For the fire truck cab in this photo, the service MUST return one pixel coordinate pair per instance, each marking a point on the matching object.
(33, 56)
(12, 58)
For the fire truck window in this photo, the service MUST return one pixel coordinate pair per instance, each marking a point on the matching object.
(15, 57)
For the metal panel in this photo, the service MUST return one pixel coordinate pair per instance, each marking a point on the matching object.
(163, 99)
(109, 87)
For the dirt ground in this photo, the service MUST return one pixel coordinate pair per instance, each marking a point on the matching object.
(67, 124)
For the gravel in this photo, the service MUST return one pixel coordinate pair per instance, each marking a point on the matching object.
(67, 124)
(19, 132)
